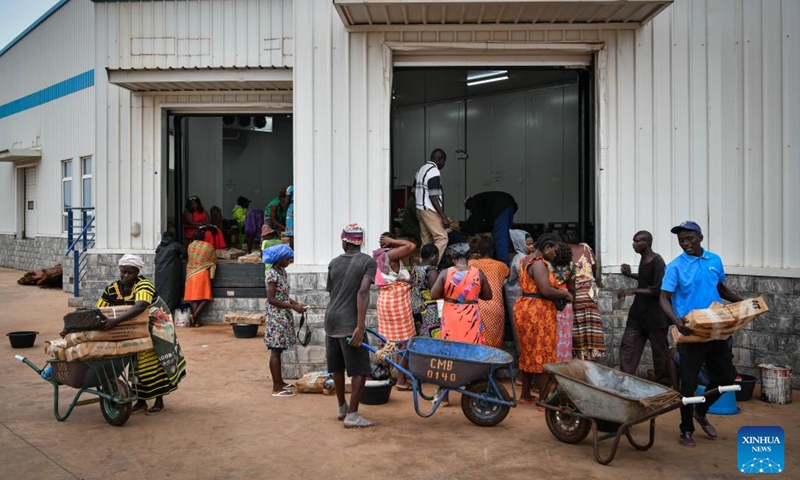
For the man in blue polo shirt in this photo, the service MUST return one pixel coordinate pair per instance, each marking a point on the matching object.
(694, 280)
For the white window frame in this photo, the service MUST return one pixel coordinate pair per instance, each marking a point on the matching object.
(86, 176)
(65, 179)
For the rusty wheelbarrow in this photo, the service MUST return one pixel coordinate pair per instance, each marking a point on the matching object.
(584, 396)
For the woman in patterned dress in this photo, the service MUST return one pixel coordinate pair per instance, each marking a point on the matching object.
(424, 308)
(461, 286)
(588, 337)
(395, 317)
(279, 331)
(564, 270)
(535, 314)
(492, 311)
(200, 268)
(159, 369)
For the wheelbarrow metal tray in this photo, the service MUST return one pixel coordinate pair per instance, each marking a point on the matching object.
(89, 373)
(604, 393)
(453, 364)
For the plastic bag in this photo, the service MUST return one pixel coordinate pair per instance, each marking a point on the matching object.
(380, 371)
(313, 382)
(181, 317)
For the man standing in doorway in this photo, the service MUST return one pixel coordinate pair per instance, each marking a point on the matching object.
(491, 212)
(693, 280)
(646, 320)
(349, 278)
(433, 222)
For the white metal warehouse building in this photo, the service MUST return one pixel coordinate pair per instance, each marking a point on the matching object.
(660, 111)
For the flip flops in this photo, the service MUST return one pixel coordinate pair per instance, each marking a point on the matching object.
(155, 410)
(404, 388)
(283, 393)
(140, 409)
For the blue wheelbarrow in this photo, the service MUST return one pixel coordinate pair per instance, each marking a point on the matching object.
(460, 367)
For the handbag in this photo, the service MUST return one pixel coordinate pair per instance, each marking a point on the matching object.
(304, 337)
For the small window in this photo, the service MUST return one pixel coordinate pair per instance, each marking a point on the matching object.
(66, 191)
(31, 205)
(86, 182)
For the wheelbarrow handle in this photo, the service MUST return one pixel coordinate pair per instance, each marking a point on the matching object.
(693, 400)
(729, 388)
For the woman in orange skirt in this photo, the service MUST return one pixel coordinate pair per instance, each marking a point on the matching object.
(535, 314)
(492, 311)
(200, 268)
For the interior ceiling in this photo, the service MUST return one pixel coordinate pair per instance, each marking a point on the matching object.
(431, 85)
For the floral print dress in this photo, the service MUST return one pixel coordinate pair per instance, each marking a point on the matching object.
(279, 328)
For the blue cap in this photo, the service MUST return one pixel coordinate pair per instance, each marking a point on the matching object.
(687, 225)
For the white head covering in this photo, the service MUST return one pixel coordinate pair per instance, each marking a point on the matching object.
(129, 260)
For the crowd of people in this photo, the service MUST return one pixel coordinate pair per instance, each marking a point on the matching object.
(544, 298)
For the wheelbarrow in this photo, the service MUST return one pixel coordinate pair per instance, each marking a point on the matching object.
(584, 396)
(460, 367)
(108, 378)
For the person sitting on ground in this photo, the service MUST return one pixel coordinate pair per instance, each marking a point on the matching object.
(423, 277)
(160, 369)
(646, 320)
(279, 332)
(349, 278)
(694, 280)
(535, 315)
(200, 269)
(492, 311)
(395, 316)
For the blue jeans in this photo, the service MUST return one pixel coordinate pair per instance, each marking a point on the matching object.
(502, 224)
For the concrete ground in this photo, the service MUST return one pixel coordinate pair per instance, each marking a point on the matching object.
(222, 423)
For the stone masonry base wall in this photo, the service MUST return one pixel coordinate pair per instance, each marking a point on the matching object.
(772, 338)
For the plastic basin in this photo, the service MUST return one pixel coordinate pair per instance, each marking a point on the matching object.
(22, 339)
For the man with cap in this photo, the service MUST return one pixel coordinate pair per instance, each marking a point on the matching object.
(694, 280)
(349, 278)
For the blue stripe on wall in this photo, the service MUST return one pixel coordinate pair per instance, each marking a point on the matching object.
(53, 92)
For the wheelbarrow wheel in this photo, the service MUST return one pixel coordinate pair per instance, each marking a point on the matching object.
(482, 412)
(565, 427)
(116, 413)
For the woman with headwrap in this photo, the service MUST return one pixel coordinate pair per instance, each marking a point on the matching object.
(395, 315)
(159, 369)
(535, 314)
(200, 269)
(168, 274)
(279, 331)
(523, 246)
(461, 286)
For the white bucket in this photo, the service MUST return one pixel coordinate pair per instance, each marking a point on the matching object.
(776, 383)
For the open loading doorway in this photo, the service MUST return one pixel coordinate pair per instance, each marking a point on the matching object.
(219, 158)
(524, 131)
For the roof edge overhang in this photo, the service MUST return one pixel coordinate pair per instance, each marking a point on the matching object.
(382, 15)
(15, 155)
(202, 79)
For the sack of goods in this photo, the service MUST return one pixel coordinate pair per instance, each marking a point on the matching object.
(718, 322)
(131, 336)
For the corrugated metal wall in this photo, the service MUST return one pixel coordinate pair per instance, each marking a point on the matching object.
(60, 48)
(199, 33)
(698, 111)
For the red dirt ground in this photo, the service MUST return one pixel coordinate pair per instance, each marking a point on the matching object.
(222, 423)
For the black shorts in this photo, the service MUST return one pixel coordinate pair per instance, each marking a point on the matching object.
(342, 356)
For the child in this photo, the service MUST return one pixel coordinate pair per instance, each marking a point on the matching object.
(279, 333)
(425, 309)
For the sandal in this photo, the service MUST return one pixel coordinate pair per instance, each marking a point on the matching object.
(283, 393)
(139, 409)
(156, 410)
(404, 388)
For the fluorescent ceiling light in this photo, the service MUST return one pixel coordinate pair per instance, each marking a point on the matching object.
(487, 80)
(479, 74)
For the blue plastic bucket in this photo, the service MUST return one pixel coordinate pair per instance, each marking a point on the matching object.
(725, 405)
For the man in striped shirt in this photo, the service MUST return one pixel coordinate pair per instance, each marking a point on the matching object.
(429, 195)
